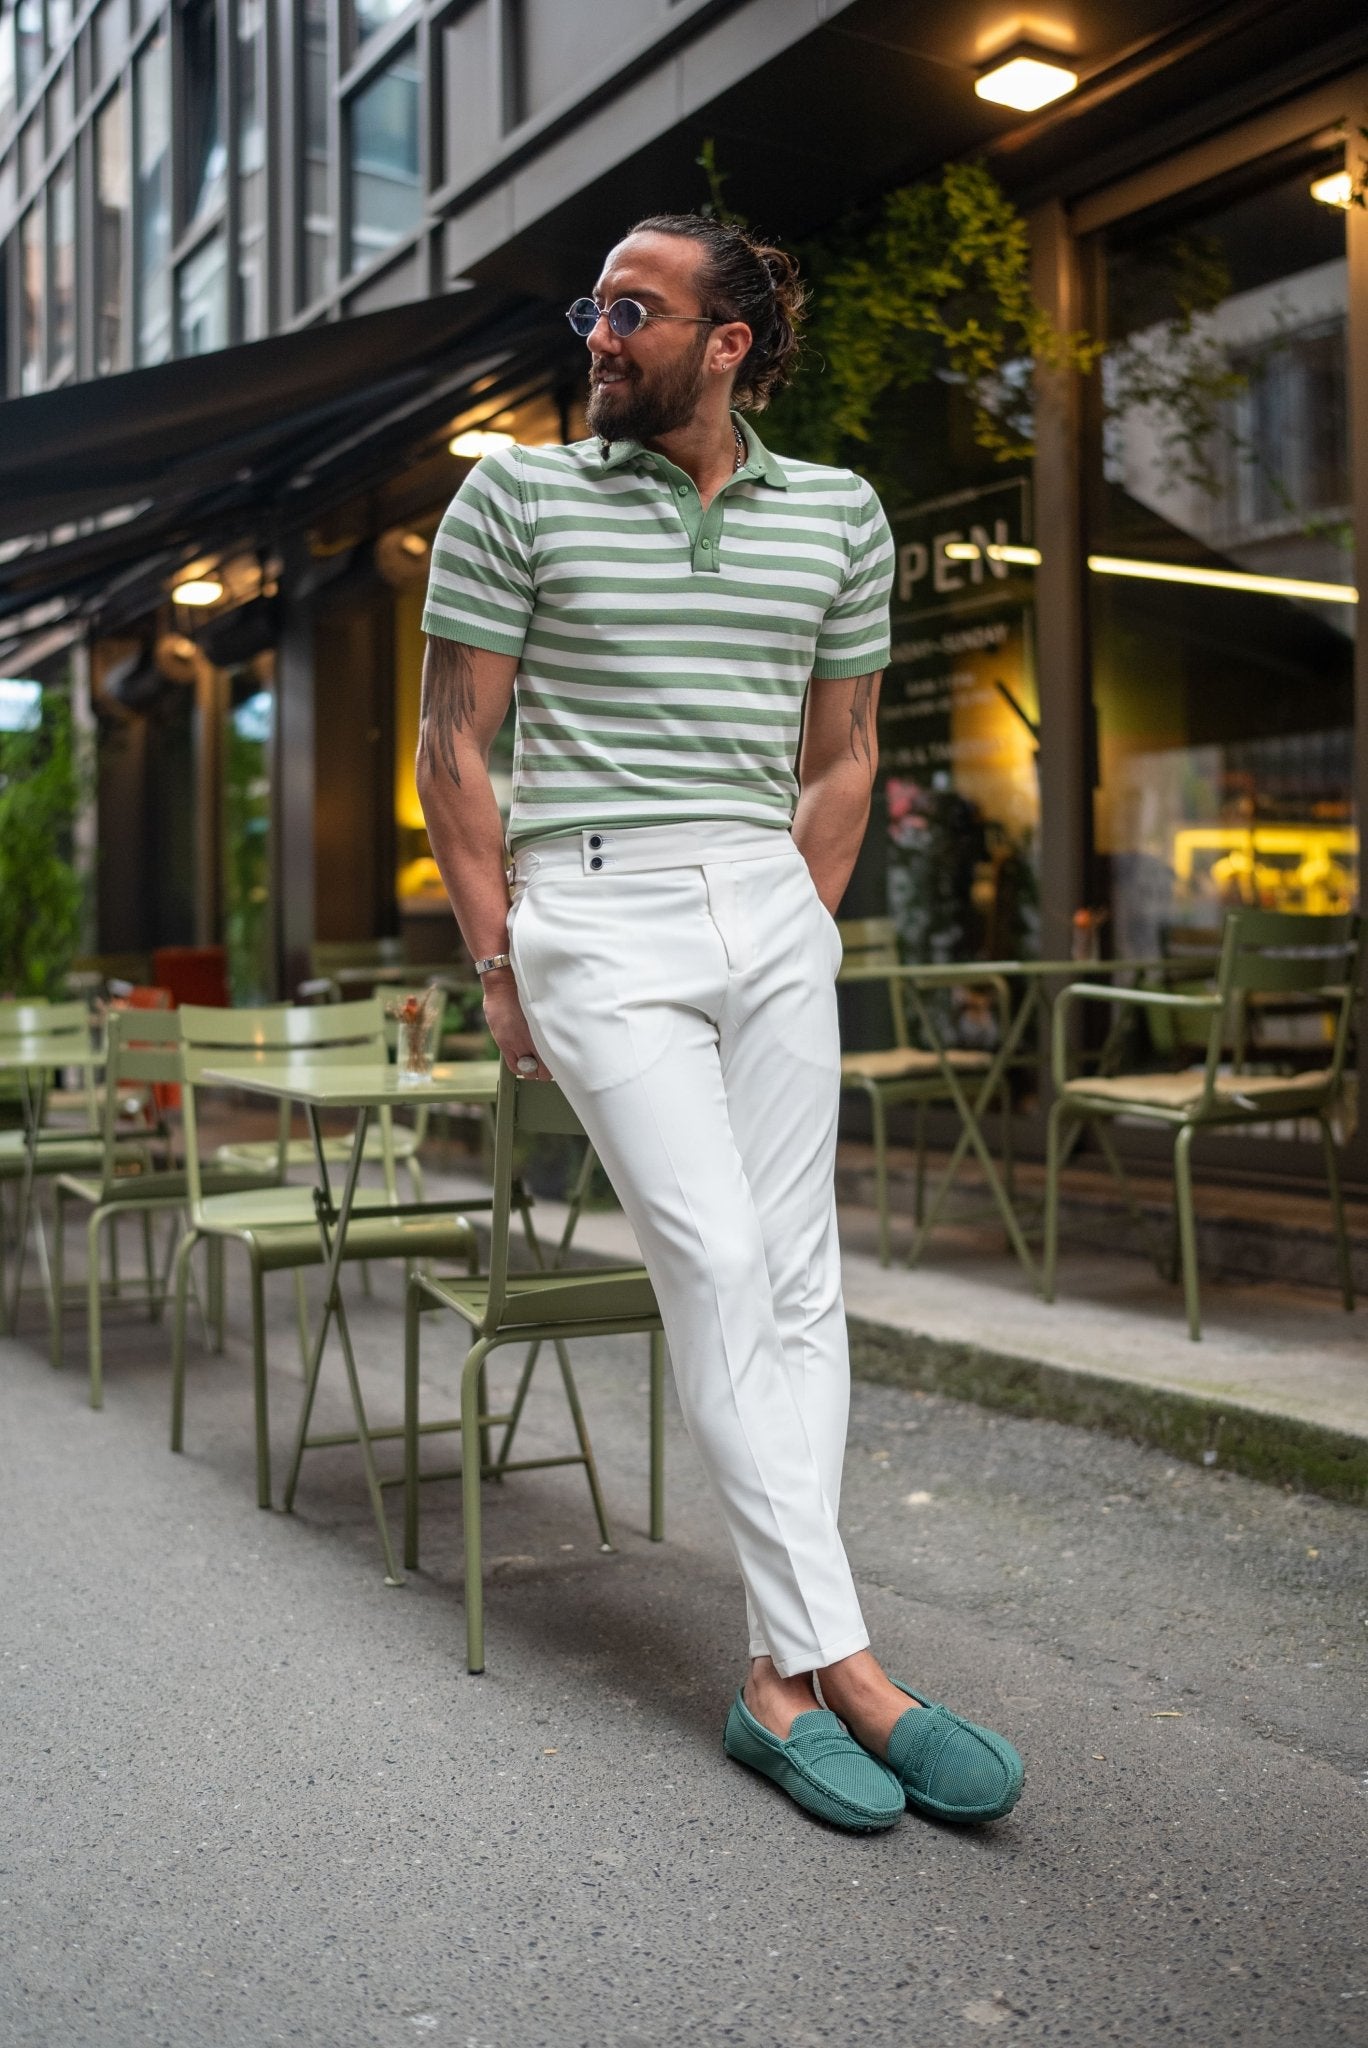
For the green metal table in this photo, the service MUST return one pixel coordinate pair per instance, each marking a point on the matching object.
(365, 1088)
(32, 1060)
(1042, 979)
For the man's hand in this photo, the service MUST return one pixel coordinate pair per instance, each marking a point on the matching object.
(507, 1024)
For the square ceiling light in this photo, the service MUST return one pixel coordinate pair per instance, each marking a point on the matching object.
(1025, 78)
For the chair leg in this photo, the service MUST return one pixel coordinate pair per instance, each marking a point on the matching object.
(879, 1131)
(217, 1304)
(302, 1319)
(515, 1412)
(182, 1286)
(471, 1505)
(919, 1175)
(57, 1302)
(115, 1283)
(414, 1170)
(586, 1447)
(150, 1269)
(1346, 1271)
(259, 1398)
(657, 1436)
(1187, 1227)
(412, 1321)
(1054, 1153)
(94, 1304)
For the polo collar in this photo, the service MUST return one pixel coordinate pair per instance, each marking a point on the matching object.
(759, 464)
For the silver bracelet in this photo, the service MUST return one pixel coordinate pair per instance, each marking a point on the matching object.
(483, 967)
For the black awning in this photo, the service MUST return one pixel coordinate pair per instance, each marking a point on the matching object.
(104, 475)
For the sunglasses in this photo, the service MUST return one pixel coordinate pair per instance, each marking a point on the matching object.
(624, 317)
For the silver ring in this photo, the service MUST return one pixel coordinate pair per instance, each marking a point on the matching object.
(527, 1063)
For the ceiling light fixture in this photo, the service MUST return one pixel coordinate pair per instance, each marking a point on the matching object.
(198, 590)
(1336, 188)
(1025, 78)
(1224, 579)
(478, 441)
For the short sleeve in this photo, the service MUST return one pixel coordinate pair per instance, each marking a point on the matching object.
(480, 586)
(854, 636)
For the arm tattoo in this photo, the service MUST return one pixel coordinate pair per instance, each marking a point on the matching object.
(861, 705)
(448, 704)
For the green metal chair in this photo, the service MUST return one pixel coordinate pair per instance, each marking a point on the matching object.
(277, 1226)
(509, 1307)
(896, 1074)
(388, 1137)
(1264, 953)
(143, 1050)
(61, 1148)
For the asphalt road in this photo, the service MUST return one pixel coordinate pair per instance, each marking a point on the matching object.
(250, 1795)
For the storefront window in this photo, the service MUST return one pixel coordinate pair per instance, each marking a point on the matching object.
(112, 194)
(1221, 550)
(246, 831)
(32, 270)
(318, 222)
(251, 35)
(386, 202)
(152, 222)
(62, 270)
(202, 299)
(206, 159)
(957, 728)
(28, 38)
(370, 15)
(107, 38)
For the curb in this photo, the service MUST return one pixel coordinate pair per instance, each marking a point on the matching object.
(1283, 1450)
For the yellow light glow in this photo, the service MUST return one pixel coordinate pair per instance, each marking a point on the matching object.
(198, 590)
(996, 551)
(1025, 83)
(1335, 189)
(1224, 579)
(478, 441)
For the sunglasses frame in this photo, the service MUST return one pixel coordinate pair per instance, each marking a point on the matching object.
(646, 314)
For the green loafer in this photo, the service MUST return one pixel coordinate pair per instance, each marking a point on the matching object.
(951, 1768)
(822, 1769)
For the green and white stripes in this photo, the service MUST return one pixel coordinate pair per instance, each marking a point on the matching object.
(665, 650)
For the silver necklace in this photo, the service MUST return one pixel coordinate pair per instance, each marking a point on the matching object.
(740, 448)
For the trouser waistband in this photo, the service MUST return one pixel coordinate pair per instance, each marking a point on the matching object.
(611, 849)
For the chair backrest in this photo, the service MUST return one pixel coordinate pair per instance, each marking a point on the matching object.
(523, 1109)
(143, 1052)
(339, 1034)
(1285, 952)
(40, 1019)
(873, 942)
(327, 955)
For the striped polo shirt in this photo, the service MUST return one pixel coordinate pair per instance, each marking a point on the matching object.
(663, 651)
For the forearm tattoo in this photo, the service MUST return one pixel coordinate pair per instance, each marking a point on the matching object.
(448, 705)
(862, 720)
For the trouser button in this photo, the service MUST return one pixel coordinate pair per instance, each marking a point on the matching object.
(595, 843)
(596, 862)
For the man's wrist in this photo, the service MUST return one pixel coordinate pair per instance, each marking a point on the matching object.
(491, 964)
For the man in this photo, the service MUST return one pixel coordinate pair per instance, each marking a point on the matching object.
(685, 617)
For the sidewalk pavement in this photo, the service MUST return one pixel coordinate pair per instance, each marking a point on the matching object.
(1277, 1389)
(252, 1797)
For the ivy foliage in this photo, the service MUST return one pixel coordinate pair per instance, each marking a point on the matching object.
(41, 898)
(937, 286)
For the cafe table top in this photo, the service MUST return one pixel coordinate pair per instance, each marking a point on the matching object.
(327, 1084)
(1188, 967)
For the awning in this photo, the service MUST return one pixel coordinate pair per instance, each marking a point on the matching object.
(100, 477)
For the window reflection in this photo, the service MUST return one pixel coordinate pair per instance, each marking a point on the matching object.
(202, 299)
(28, 38)
(318, 223)
(152, 118)
(108, 38)
(31, 275)
(251, 39)
(205, 157)
(385, 199)
(112, 197)
(1224, 714)
(370, 15)
(62, 270)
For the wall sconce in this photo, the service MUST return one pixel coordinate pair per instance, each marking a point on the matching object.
(478, 441)
(1025, 78)
(1336, 188)
(197, 590)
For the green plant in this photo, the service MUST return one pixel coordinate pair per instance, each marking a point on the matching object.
(937, 287)
(41, 895)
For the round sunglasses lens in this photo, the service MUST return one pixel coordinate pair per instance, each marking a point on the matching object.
(583, 316)
(624, 317)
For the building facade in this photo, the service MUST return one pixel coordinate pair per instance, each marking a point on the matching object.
(264, 262)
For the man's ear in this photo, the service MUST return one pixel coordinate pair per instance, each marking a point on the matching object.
(732, 345)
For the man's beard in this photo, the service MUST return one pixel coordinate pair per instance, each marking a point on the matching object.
(636, 410)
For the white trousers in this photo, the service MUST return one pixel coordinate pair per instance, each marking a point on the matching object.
(678, 981)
